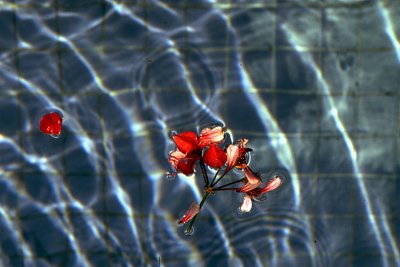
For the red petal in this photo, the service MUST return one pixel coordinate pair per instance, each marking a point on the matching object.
(186, 166)
(51, 123)
(215, 157)
(192, 211)
(211, 136)
(186, 141)
(272, 184)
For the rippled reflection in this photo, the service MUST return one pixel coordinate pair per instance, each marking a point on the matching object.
(312, 84)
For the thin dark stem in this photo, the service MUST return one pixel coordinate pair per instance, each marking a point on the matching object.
(204, 172)
(190, 226)
(216, 182)
(223, 189)
(231, 183)
(215, 176)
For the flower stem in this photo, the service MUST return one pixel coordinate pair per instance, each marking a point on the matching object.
(190, 226)
(216, 182)
(223, 189)
(225, 185)
(204, 172)
(215, 176)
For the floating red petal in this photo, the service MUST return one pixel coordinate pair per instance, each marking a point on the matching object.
(51, 123)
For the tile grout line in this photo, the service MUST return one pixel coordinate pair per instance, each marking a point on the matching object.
(20, 179)
(356, 140)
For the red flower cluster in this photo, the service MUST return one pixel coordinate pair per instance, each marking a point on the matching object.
(205, 150)
(190, 147)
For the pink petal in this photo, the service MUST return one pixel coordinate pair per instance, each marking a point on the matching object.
(215, 157)
(182, 162)
(247, 204)
(249, 186)
(253, 181)
(252, 178)
(186, 141)
(232, 153)
(272, 184)
(242, 142)
(211, 136)
(192, 211)
(174, 158)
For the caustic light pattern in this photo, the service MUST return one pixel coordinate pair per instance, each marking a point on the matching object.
(51, 124)
(205, 149)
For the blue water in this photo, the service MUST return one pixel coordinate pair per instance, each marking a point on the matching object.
(314, 86)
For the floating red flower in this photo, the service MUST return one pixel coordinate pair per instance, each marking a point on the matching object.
(190, 148)
(255, 193)
(51, 124)
(204, 149)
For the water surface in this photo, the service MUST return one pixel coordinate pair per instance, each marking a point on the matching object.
(314, 86)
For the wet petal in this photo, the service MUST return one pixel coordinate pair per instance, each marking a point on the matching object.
(186, 141)
(51, 123)
(215, 157)
(174, 158)
(241, 156)
(186, 166)
(272, 184)
(247, 204)
(249, 186)
(242, 159)
(253, 181)
(232, 153)
(242, 142)
(252, 178)
(192, 211)
(211, 136)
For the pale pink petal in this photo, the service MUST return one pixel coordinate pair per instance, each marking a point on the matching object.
(192, 211)
(232, 153)
(253, 181)
(252, 178)
(272, 184)
(242, 142)
(174, 158)
(247, 204)
(249, 186)
(211, 136)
